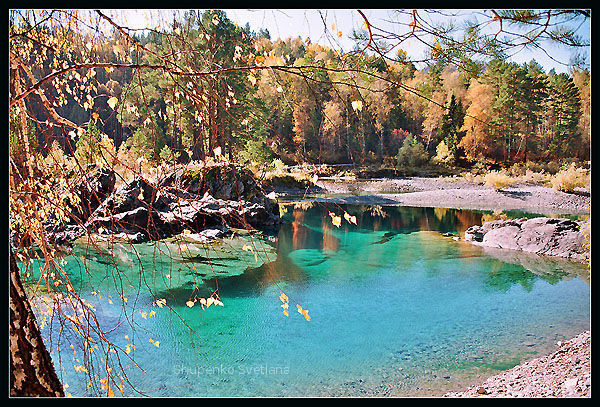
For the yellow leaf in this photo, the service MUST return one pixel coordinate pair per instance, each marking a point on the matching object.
(259, 59)
(333, 26)
(285, 305)
(283, 297)
(357, 105)
(110, 393)
(143, 314)
(155, 343)
(336, 220)
(286, 313)
(95, 115)
(161, 302)
(190, 304)
(152, 313)
(112, 102)
(339, 34)
(127, 337)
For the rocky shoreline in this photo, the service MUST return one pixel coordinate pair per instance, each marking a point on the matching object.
(204, 204)
(564, 373)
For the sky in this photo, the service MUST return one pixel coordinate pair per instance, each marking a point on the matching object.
(322, 26)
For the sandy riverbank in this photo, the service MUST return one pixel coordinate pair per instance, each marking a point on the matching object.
(457, 193)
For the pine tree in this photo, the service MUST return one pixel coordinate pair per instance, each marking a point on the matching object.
(452, 123)
(565, 103)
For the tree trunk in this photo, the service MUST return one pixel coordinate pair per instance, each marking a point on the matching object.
(32, 372)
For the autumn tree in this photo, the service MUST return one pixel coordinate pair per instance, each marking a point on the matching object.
(478, 142)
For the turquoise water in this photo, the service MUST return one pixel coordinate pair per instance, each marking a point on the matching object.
(396, 308)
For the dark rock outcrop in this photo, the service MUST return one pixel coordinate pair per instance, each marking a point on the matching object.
(548, 236)
(185, 200)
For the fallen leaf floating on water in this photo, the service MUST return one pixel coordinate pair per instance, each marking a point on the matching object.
(155, 343)
(190, 303)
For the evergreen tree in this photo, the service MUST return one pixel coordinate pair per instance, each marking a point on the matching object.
(564, 103)
(450, 129)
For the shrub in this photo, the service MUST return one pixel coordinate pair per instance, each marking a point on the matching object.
(443, 154)
(412, 153)
(167, 155)
(570, 178)
(535, 177)
(498, 180)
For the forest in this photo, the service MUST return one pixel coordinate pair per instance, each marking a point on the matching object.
(305, 103)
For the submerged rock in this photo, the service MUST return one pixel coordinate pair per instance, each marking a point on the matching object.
(550, 236)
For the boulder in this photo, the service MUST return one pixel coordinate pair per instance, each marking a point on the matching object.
(92, 187)
(549, 236)
(179, 202)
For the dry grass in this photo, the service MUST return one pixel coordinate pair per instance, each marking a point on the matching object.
(570, 178)
(498, 180)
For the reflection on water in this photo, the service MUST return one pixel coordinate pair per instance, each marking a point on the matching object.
(397, 307)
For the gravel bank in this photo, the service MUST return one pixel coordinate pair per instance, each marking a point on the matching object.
(564, 373)
(458, 193)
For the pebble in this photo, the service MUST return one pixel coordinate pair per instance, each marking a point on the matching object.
(564, 373)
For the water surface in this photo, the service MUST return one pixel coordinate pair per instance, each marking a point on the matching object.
(397, 308)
